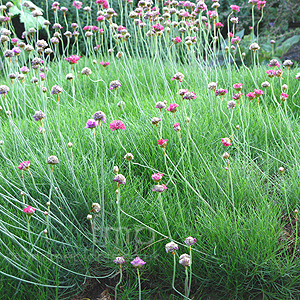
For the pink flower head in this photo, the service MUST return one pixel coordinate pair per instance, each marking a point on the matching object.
(190, 241)
(173, 107)
(235, 8)
(103, 3)
(104, 63)
(271, 73)
(29, 210)
(237, 96)
(226, 142)
(238, 86)
(251, 96)
(221, 92)
(177, 127)
(14, 41)
(235, 40)
(176, 40)
(77, 4)
(100, 19)
(73, 59)
(86, 28)
(24, 166)
(230, 34)
(208, 26)
(157, 27)
(258, 93)
(212, 14)
(157, 177)
(138, 262)
(284, 96)
(162, 143)
(261, 4)
(219, 25)
(116, 125)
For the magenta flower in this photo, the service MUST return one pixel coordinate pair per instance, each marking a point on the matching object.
(29, 210)
(100, 19)
(226, 142)
(221, 92)
(157, 27)
(235, 40)
(162, 143)
(73, 59)
(271, 73)
(251, 96)
(104, 63)
(116, 125)
(235, 8)
(261, 4)
(237, 96)
(24, 166)
(219, 25)
(157, 177)
(230, 34)
(91, 123)
(238, 86)
(177, 127)
(138, 262)
(258, 93)
(24, 70)
(77, 4)
(173, 107)
(176, 40)
(284, 96)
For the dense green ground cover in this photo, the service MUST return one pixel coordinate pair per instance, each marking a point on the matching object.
(239, 217)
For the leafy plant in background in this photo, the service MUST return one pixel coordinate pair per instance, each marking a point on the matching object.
(25, 14)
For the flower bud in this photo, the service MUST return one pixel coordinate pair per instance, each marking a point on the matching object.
(116, 169)
(226, 155)
(281, 170)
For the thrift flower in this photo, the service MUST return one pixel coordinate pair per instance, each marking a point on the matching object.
(120, 179)
(39, 115)
(231, 104)
(138, 262)
(173, 107)
(171, 247)
(178, 76)
(162, 143)
(159, 188)
(190, 241)
(185, 260)
(238, 86)
(24, 166)
(119, 260)
(284, 96)
(251, 96)
(29, 210)
(116, 125)
(114, 85)
(157, 177)
(226, 142)
(91, 123)
(177, 127)
(73, 59)
(99, 116)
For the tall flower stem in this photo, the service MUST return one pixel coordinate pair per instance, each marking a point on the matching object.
(139, 282)
(121, 276)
